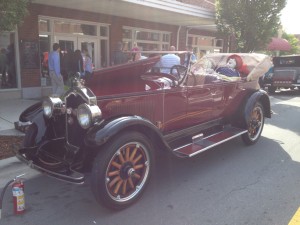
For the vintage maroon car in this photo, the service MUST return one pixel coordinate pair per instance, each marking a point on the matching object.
(286, 74)
(111, 127)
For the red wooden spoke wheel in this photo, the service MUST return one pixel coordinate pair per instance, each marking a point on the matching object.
(122, 169)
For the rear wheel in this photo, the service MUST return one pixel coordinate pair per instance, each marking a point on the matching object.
(255, 125)
(122, 170)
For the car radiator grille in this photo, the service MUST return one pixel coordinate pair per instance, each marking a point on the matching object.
(74, 132)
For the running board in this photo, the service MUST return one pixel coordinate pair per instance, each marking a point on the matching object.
(201, 144)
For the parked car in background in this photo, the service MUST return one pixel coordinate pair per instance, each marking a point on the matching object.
(112, 126)
(286, 74)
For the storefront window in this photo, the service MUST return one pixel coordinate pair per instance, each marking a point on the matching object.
(8, 76)
(146, 40)
(74, 28)
(127, 33)
(44, 25)
(147, 36)
(103, 31)
(204, 44)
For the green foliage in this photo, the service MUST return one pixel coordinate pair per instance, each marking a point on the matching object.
(12, 13)
(251, 22)
(293, 42)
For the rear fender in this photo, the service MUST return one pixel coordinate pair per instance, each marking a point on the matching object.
(262, 97)
(103, 132)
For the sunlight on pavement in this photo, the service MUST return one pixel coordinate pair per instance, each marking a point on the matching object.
(296, 218)
(290, 147)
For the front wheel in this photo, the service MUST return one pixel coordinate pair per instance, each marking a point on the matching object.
(121, 170)
(255, 125)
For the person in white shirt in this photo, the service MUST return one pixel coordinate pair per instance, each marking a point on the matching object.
(169, 60)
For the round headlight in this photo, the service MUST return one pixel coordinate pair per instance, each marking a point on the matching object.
(87, 115)
(50, 105)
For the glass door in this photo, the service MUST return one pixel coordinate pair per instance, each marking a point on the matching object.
(91, 45)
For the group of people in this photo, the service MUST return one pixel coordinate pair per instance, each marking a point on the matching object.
(165, 64)
(60, 65)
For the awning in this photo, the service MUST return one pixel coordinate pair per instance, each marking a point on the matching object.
(279, 44)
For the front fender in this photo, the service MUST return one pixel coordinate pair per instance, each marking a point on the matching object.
(261, 96)
(35, 115)
(101, 133)
(29, 113)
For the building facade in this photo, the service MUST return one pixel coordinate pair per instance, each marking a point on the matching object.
(98, 26)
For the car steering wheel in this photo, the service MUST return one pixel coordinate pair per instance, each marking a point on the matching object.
(178, 71)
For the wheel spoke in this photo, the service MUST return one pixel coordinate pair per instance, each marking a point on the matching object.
(136, 167)
(118, 186)
(127, 154)
(122, 160)
(137, 176)
(115, 164)
(114, 181)
(133, 154)
(130, 182)
(124, 187)
(137, 159)
(113, 173)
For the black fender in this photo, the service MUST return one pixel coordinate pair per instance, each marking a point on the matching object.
(29, 113)
(35, 115)
(261, 96)
(103, 132)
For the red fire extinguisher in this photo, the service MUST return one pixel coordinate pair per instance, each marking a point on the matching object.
(18, 196)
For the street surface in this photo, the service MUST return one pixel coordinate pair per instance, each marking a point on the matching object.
(228, 185)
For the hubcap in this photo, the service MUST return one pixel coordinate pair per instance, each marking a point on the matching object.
(127, 172)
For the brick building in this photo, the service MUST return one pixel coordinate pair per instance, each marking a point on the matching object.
(98, 26)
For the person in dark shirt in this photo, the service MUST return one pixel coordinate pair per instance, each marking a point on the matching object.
(119, 56)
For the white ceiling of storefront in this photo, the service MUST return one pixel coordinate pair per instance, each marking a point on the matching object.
(165, 11)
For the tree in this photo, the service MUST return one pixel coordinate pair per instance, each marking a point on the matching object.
(12, 13)
(293, 42)
(251, 22)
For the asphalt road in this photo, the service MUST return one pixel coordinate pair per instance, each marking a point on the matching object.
(229, 185)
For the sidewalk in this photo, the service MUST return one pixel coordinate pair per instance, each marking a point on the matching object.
(10, 111)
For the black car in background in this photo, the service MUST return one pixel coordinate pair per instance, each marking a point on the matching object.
(286, 74)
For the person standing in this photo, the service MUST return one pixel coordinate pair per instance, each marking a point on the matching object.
(169, 60)
(54, 71)
(78, 62)
(190, 55)
(119, 57)
(88, 65)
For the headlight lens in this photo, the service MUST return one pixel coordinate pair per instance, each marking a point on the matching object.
(88, 115)
(51, 105)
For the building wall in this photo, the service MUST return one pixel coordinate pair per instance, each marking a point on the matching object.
(31, 78)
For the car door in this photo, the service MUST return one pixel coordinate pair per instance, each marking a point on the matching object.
(200, 100)
(175, 109)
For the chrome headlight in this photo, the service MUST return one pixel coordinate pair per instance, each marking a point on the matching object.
(52, 105)
(87, 115)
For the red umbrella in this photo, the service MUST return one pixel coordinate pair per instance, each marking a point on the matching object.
(279, 44)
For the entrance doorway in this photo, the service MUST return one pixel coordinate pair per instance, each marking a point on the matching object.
(68, 44)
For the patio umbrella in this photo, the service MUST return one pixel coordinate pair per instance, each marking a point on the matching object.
(279, 44)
